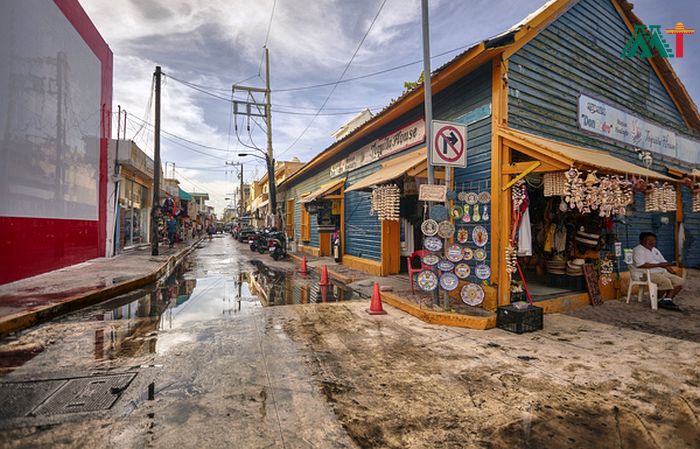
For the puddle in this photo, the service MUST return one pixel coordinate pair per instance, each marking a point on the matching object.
(205, 287)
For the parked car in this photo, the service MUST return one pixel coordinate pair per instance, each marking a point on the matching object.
(243, 235)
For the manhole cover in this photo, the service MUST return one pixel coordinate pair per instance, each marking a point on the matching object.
(87, 394)
(18, 399)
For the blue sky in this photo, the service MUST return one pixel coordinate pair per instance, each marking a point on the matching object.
(215, 43)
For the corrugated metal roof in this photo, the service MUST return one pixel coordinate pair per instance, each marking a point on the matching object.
(324, 190)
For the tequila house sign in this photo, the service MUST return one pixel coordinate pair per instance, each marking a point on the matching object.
(394, 142)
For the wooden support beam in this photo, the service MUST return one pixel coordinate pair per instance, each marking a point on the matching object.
(519, 167)
(527, 171)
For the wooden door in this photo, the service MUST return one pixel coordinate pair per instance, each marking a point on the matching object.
(324, 243)
(391, 247)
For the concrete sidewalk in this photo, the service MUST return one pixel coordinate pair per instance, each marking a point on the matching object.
(30, 301)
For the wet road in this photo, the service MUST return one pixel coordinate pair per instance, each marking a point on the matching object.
(201, 361)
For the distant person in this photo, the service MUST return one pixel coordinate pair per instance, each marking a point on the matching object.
(211, 230)
(647, 256)
(172, 231)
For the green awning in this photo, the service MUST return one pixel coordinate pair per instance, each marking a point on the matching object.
(184, 195)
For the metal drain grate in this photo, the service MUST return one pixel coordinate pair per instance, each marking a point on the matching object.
(86, 394)
(18, 399)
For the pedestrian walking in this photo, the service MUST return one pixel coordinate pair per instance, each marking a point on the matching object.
(172, 230)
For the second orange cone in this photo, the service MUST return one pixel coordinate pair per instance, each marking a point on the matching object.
(324, 276)
(375, 307)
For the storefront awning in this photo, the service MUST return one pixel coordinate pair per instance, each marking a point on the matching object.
(391, 170)
(322, 191)
(695, 172)
(566, 155)
(184, 196)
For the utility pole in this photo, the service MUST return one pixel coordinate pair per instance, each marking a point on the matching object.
(155, 207)
(270, 158)
(241, 201)
(428, 90)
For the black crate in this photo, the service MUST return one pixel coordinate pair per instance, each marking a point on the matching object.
(520, 320)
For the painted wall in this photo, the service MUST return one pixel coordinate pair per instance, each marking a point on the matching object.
(55, 106)
(691, 220)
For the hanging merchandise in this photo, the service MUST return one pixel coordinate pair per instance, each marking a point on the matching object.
(511, 260)
(385, 202)
(609, 195)
(427, 280)
(554, 183)
(606, 271)
(446, 229)
(432, 243)
(449, 281)
(472, 294)
(480, 236)
(696, 198)
(439, 212)
(429, 227)
(660, 198)
(525, 235)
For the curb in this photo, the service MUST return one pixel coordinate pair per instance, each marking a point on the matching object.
(440, 318)
(331, 272)
(23, 320)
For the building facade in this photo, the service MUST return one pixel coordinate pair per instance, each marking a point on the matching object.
(55, 106)
(529, 98)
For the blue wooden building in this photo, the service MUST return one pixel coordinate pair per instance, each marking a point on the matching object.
(538, 92)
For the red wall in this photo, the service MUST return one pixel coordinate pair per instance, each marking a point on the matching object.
(30, 246)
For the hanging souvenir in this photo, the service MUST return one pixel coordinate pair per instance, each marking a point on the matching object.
(485, 213)
(696, 198)
(456, 212)
(462, 235)
(472, 294)
(446, 229)
(439, 212)
(482, 271)
(454, 253)
(430, 259)
(429, 227)
(471, 198)
(432, 244)
(445, 265)
(451, 195)
(606, 271)
(385, 202)
(462, 270)
(484, 197)
(554, 183)
(511, 256)
(462, 196)
(476, 216)
(427, 280)
(480, 254)
(467, 253)
(480, 236)
(449, 281)
(467, 217)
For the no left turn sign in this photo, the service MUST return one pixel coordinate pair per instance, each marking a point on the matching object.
(449, 144)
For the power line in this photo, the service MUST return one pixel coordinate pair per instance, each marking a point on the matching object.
(267, 35)
(347, 66)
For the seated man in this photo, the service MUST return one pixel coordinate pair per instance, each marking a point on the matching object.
(647, 256)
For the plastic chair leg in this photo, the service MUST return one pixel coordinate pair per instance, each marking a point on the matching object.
(641, 293)
(654, 296)
(629, 291)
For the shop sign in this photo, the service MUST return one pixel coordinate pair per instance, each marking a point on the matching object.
(432, 192)
(401, 139)
(449, 144)
(599, 117)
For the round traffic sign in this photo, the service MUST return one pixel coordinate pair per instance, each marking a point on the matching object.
(449, 143)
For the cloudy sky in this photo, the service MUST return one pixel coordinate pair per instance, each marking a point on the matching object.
(215, 43)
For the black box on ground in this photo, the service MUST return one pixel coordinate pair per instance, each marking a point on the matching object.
(516, 320)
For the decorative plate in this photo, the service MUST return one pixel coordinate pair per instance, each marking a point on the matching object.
(484, 197)
(462, 270)
(472, 198)
(462, 235)
(482, 271)
(480, 254)
(454, 253)
(451, 195)
(430, 259)
(439, 212)
(462, 196)
(456, 212)
(429, 227)
(467, 253)
(427, 280)
(449, 281)
(480, 236)
(432, 243)
(472, 294)
(445, 265)
(446, 229)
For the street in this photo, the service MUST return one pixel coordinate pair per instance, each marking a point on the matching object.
(204, 361)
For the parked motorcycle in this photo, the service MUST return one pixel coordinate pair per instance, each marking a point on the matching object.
(277, 244)
(258, 241)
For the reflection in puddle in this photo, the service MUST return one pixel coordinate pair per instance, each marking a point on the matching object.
(136, 324)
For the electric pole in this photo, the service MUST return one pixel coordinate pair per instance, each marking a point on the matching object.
(241, 201)
(155, 207)
(270, 158)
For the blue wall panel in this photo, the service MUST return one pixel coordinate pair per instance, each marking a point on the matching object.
(691, 220)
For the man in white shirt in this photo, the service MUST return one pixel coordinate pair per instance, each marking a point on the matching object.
(647, 256)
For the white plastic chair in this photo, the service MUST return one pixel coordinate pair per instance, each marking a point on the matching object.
(642, 278)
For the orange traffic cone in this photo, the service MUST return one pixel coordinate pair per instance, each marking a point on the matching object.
(324, 293)
(304, 270)
(324, 276)
(375, 307)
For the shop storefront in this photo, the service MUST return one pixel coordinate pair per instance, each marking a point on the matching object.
(134, 210)
(550, 117)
